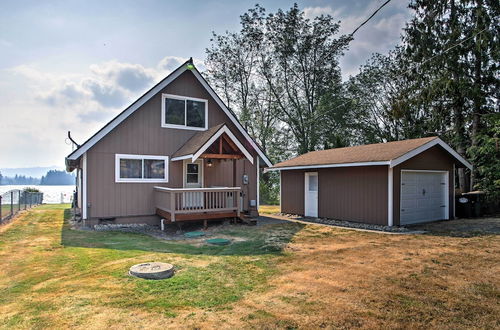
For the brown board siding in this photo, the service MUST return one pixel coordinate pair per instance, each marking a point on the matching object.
(292, 191)
(344, 193)
(353, 193)
(433, 159)
(142, 134)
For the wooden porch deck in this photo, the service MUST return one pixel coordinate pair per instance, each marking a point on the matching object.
(195, 204)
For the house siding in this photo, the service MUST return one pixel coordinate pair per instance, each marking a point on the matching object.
(141, 133)
(344, 193)
(292, 191)
(433, 159)
(354, 193)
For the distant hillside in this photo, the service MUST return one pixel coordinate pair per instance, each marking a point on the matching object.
(35, 172)
(51, 177)
(18, 179)
(55, 177)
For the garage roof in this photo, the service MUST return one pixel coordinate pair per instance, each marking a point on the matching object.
(390, 153)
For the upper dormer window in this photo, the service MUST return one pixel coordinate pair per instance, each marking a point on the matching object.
(184, 112)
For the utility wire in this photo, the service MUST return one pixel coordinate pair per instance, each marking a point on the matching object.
(369, 18)
(415, 66)
(446, 50)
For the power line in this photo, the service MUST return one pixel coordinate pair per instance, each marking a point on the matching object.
(446, 50)
(369, 18)
(414, 67)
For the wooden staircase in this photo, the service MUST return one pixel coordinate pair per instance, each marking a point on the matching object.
(247, 219)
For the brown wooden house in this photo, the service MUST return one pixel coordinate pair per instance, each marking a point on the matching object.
(177, 152)
(395, 183)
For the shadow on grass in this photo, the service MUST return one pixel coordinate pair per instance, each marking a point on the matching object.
(465, 228)
(249, 240)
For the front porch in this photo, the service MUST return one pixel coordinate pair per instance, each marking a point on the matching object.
(195, 204)
(212, 186)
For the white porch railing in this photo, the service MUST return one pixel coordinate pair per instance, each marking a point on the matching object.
(197, 200)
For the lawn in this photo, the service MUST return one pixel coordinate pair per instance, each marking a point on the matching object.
(269, 209)
(274, 276)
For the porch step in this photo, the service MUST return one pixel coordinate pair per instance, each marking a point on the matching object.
(245, 218)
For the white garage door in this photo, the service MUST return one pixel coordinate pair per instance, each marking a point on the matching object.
(424, 196)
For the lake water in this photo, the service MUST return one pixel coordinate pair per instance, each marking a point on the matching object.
(51, 194)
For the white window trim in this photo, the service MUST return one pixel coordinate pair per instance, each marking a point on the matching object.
(184, 98)
(201, 173)
(118, 179)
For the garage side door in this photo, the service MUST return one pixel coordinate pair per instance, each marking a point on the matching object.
(424, 196)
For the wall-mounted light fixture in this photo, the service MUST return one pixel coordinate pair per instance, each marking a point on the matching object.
(209, 163)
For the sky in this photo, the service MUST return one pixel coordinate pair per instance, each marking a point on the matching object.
(74, 65)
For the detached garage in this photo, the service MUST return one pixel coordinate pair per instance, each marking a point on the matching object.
(394, 183)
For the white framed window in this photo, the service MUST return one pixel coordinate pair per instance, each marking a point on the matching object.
(141, 168)
(193, 173)
(184, 112)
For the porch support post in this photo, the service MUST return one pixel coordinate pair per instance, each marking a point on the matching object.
(172, 206)
(238, 205)
(234, 173)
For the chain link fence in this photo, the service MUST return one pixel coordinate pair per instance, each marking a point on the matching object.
(14, 201)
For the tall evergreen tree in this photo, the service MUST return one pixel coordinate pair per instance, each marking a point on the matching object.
(454, 46)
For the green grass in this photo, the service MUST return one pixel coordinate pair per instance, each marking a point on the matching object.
(5, 208)
(269, 209)
(52, 276)
(79, 269)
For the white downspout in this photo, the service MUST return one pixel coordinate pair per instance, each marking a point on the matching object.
(390, 197)
(258, 183)
(84, 187)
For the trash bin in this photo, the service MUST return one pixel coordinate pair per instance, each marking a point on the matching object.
(469, 205)
(463, 206)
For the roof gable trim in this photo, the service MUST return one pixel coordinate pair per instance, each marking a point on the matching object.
(125, 114)
(213, 138)
(221, 131)
(392, 163)
(302, 167)
(143, 99)
(231, 116)
(424, 147)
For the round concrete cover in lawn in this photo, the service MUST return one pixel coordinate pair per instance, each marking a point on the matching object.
(152, 270)
(218, 241)
(194, 234)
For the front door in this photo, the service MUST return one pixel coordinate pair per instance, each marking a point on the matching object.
(311, 194)
(193, 178)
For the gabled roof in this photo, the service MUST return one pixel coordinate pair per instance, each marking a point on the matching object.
(390, 153)
(77, 153)
(201, 141)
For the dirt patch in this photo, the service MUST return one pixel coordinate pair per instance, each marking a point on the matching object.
(336, 278)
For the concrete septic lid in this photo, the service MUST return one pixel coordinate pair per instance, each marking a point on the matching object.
(218, 241)
(194, 234)
(152, 270)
